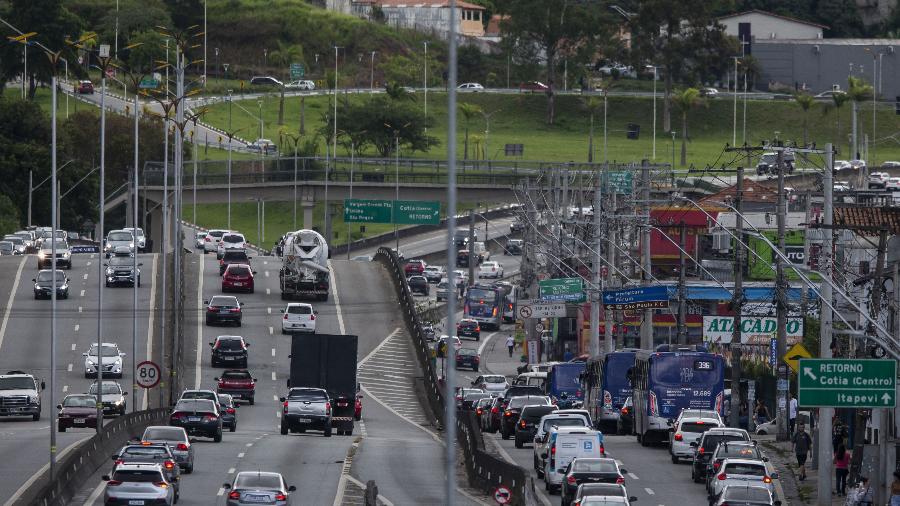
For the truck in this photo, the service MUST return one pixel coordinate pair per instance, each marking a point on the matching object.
(20, 395)
(326, 361)
(304, 269)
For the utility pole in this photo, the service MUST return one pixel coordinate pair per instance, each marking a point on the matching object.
(682, 300)
(647, 323)
(825, 328)
(471, 247)
(737, 301)
(597, 293)
(610, 262)
(781, 308)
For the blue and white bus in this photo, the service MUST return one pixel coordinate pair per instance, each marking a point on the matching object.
(564, 384)
(484, 304)
(606, 386)
(670, 379)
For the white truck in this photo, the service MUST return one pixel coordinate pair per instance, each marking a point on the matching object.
(304, 270)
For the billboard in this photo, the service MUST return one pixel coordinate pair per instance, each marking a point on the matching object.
(755, 330)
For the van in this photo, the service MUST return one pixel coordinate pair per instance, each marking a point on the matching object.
(531, 378)
(566, 444)
(479, 249)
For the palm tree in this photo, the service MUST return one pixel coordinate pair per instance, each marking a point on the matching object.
(397, 92)
(468, 111)
(838, 101)
(857, 91)
(592, 106)
(283, 57)
(685, 101)
(806, 102)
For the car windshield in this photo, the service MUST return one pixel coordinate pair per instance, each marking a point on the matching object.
(223, 301)
(164, 434)
(19, 383)
(746, 469)
(201, 235)
(575, 421)
(238, 270)
(230, 344)
(737, 451)
(119, 236)
(608, 489)
(48, 276)
(307, 395)
(108, 351)
(299, 310)
(81, 401)
(6, 246)
(121, 261)
(684, 369)
(711, 441)
(534, 413)
(232, 238)
(258, 480)
(14, 239)
(108, 388)
(197, 394)
(594, 466)
(759, 494)
(518, 402)
(144, 451)
(139, 232)
(494, 379)
(195, 404)
(467, 351)
(138, 475)
(482, 295)
(217, 233)
(696, 427)
(236, 375)
(468, 324)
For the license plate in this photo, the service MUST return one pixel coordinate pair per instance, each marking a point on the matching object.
(238, 284)
(304, 420)
(224, 311)
(255, 498)
(79, 420)
(193, 418)
(229, 358)
(342, 404)
(136, 501)
(15, 410)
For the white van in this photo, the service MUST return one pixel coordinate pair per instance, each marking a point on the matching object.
(567, 443)
(478, 248)
(536, 379)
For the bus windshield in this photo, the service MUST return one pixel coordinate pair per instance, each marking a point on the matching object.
(685, 370)
(566, 378)
(481, 296)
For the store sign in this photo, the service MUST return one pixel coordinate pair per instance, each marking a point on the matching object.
(754, 329)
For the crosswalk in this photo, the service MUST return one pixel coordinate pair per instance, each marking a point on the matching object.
(388, 374)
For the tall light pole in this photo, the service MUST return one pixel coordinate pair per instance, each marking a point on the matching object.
(104, 59)
(734, 118)
(655, 76)
(450, 383)
(116, 49)
(372, 73)
(425, 85)
(334, 146)
(204, 44)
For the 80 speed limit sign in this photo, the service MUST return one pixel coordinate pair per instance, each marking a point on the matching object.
(147, 374)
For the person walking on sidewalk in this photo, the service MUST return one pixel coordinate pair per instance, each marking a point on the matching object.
(510, 344)
(895, 490)
(841, 469)
(802, 444)
(792, 413)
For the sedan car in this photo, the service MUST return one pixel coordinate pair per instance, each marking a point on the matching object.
(301, 85)
(418, 284)
(199, 417)
(892, 184)
(138, 484)
(223, 309)
(112, 360)
(230, 241)
(602, 493)
(468, 358)
(146, 452)
(490, 269)
(514, 408)
(239, 383)
(233, 257)
(238, 277)
(470, 87)
(178, 441)
(257, 487)
(63, 255)
(228, 408)
(491, 383)
(739, 450)
(230, 351)
(18, 243)
(84, 87)
(263, 146)
(120, 271)
(298, 317)
(709, 92)
(589, 470)
(112, 398)
(199, 240)
(43, 284)
(468, 327)
(707, 445)
(529, 419)
(434, 273)
(77, 410)
(746, 495)
(8, 249)
(117, 238)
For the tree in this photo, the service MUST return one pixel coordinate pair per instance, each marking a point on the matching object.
(378, 120)
(592, 106)
(9, 216)
(685, 101)
(806, 102)
(857, 91)
(282, 57)
(397, 92)
(468, 111)
(24, 148)
(838, 100)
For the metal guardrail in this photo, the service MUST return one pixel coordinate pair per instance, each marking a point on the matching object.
(486, 471)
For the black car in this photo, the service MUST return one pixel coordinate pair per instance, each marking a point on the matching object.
(514, 247)
(462, 258)
(228, 409)
(43, 284)
(514, 408)
(233, 257)
(625, 423)
(223, 309)
(526, 426)
(418, 284)
(706, 446)
(470, 399)
(467, 357)
(589, 471)
(120, 271)
(229, 351)
(468, 328)
(199, 417)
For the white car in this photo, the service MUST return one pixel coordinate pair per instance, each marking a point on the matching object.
(211, 241)
(841, 164)
(112, 361)
(470, 87)
(298, 317)
(742, 472)
(434, 273)
(709, 92)
(230, 241)
(141, 238)
(688, 431)
(301, 85)
(491, 382)
(199, 239)
(490, 270)
(138, 484)
(892, 184)
(541, 436)
(264, 146)
(841, 186)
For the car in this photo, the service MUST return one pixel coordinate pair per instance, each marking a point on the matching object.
(514, 247)
(516, 226)
(239, 383)
(469, 358)
(20, 395)
(264, 146)
(298, 317)
(892, 184)
(606, 500)
(7, 248)
(829, 94)
(357, 407)
(491, 382)
(414, 267)
(301, 85)
(47, 233)
(138, 483)
(625, 422)
(199, 239)
(514, 408)
(533, 86)
(687, 431)
(545, 425)
(199, 393)
(733, 450)
(471, 398)
(697, 413)
(63, 255)
(531, 378)
(768, 163)
(857, 164)
(434, 273)
(304, 409)
(198, 417)
(615, 68)
(233, 257)
(77, 410)
(709, 92)
(529, 418)
(468, 327)
(741, 472)
(265, 81)
(112, 361)
(238, 277)
(120, 270)
(230, 241)
(841, 186)
(418, 284)
(228, 408)
(255, 487)
(211, 240)
(141, 238)
(17, 242)
(566, 444)
(490, 270)
(43, 284)
(589, 470)
(480, 406)
(223, 309)
(117, 238)
(178, 441)
(84, 87)
(877, 180)
(29, 237)
(746, 495)
(461, 394)
(470, 87)
(112, 397)
(146, 452)
(230, 350)
(444, 290)
(706, 445)
(490, 420)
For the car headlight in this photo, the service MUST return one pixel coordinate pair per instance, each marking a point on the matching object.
(64, 287)
(120, 401)
(66, 254)
(90, 363)
(109, 271)
(42, 255)
(107, 247)
(33, 399)
(131, 245)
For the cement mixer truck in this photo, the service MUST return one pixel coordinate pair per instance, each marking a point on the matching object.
(304, 271)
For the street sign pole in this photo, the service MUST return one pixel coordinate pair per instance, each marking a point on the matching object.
(823, 451)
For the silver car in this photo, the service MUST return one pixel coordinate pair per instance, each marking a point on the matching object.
(117, 238)
(138, 484)
(178, 441)
(141, 238)
(741, 472)
(256, 487)
(199, 239)
(112, 361)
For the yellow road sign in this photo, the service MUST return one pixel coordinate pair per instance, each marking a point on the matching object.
(793, 356)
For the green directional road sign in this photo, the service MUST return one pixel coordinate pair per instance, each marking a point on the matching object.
(562, 290)
(847, 383)
(620, 181)
(418, 212)
(367, 211)
(297, 70)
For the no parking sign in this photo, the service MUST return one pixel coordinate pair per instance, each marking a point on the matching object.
(502, 495)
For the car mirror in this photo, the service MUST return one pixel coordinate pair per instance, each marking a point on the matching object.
(623, 470)
(292, 488)
(765, 459)
(124, 393)
(241, 303)
(141, 264)
(192, 440)
(359, 396)
(121, 354)
(226, 486)
(206, 302)
(544, 455)
(33, 280)
(216, 379)
(254, 272)
(114, 457)
(281, 399)
(316, 312)
(255, 380)
(105, 477)
(84, 354)
(774, 476)
(212, 344)
(59, 406)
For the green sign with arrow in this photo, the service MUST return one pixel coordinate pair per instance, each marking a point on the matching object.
(847, 383)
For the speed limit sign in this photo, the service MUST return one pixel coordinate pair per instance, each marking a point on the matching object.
(147, 374)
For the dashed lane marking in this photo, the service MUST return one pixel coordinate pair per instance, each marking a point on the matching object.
(221, 491)
(69, 368)
(73, 346)
(80, 309)
(268, 309)
(649, 491)
(273, 352)
(271, 331)
(85, 276)
(249, 445)
(82, 293)
(273, 375)
(241, 455)
(65, 388)
(77, 326)
(231, 470)
(269, 292)
(633, 476)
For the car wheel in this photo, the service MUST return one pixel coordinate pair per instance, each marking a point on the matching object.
(328, 432)
(284, 429)
(189, 469)
(233, 427)
(519, 443)
(62, 429)
(504, 435)
(252, 400)
(475, 368)
(349, 432)
(674, 459)
(218, 437)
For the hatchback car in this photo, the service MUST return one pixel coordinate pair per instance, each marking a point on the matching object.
(117, 238)
(239, 383)
(298, 317)
(739, 450)
(589, 470)
(510, 418)
(238, 277)
(257, 487)
(707, 444)
(594, 494)
(230, 241)
(199, 239)
(211, 240)
(491, 383)
(141, 238)
(264, 146)
(228, 409)
(199, 417)
(230, 351)
(43, 284)
(433, 273)
(301, 85)
(8, 249)
(892, 184)
(111, 361)
(468, 327)
(746, 495)
(77, 410)
(741, 472)
(223, 309)
(468, 358)
(147, 452)
(265, 81)
(178, 441)
(138, 484)
(529, 418)
(490, 269)
(687, 431)
(533, 86)
(112, 397)
(233, 257)
(84, 87)
(63, 255)
(414, 267)
(18, 243)
(470, 399)
(418, 284)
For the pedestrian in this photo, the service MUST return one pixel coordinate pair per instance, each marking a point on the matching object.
(837, 434)
(802, 444)
(841, 469)
(863, 495)
(895, 490)
(510, 344)
(792, 413)
(762, 412)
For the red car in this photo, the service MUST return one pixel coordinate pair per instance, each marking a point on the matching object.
(237, 277)
(84, 87)
(357, 408)
(78, 410)
(414, 267)
(238, 383)
(533, 86)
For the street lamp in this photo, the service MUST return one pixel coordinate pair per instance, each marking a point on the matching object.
(396, 181)
(35, 187)
(372, 73)
(425, 85)
(218, 69)
(655, 77)
(296, 140)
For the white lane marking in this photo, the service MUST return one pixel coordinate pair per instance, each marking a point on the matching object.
(146, 401)
(249, 445)
(269, 292)
(337, 300)
(95, 494)
(402, 417)
(89, 262)
(73, 346)
(80, 309)
(265, 262)
(9, 302)
(273, 375)
(273, 352)
(378, 348)
(69, 368)
(276, 397)
(362, 428)
(40, 472)
(267, 273)
(231, 470)
(65, 388)
(278, 414)
(268, 309)
(77, 326)
(649, 491)
(85, 276)
(199, 356)
(633, 476)
(486, 341)
(82, 293)
(241, 455)
(221, 492)
(271, 331)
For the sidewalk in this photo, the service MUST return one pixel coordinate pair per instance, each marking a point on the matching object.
(795, 492)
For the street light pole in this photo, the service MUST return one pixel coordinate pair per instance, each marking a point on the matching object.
(104, 58)
(654, 110)
(204, 43)
(134, 271)
(396, 188)
(425, 85)
(734, 118)
(372, 73)
(54, 227)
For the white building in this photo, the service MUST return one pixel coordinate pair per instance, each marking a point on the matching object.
(756, 24)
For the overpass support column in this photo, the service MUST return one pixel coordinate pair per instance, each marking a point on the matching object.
(308, 207)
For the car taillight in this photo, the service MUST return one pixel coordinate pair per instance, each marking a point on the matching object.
(716, 465)
(160, 484)
(285, 316)
(767, 479)
(113, 483)
(212, 309)
(495, 410)
(169, 464)
(479, 411)
(312, 317)
(234, 495)
(119, 462)
(722, 476)
(494, 312)
(476, 359)
(206, 238)
(210, 418)
(221, 262)
(177, 416)
(182, 447)
(571, 480)
(280, 497)
(327, 408)
(678, 436)
(235, 309)
(478, 329)
(216, 346)
(285, 406)
(700, 450)
(522, 423)
(620, 480)
(625, 411)
(507, 413)
(230, 411)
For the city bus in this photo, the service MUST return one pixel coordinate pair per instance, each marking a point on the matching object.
(563, 384)
(606, 386)
(670, 379)
(484, 304)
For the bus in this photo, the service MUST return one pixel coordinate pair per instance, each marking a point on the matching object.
(484, 304)
(606, 386)
(670, 379)
(563, 384)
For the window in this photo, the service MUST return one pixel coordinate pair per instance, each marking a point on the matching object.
(138, 476)
(80, 402)
(299, 310)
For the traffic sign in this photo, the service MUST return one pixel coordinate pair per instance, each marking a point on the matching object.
(417, 212)
(847, 383)
(537, 309)
(367, 211)
(147, 374)
(642, 297)
(562, 289)
(539, 327)
(148, 84)
(793, 356)
(502, 495)
(620, 181)
(525, 311)
(297, 70)
(408, 212)
(104, 51)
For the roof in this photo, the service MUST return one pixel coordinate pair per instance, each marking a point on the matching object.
(857, 216)
(493, 26)
(426, 3)
(830, 42)
(772, 14)
(753, 192)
